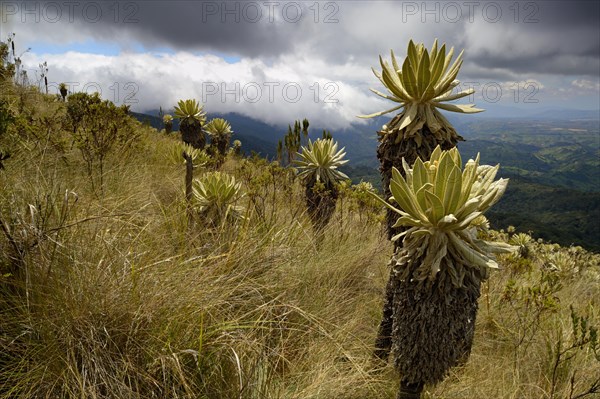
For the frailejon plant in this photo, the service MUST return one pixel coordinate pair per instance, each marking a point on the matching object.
(168, 122)
(199, 157)
(318, 170)
(236, 148)
(192, 158)
(216, 195)
(192, 117)
(423, 84)
(523, 242)
(220, 134)
(62, 88)
(421, 87)
(440, 263)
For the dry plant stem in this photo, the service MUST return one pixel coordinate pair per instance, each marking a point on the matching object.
(594, 388)
(189, 174)
(12, 241)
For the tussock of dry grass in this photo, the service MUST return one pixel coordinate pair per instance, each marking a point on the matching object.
(120, 295)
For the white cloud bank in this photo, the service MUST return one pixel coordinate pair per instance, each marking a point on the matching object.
(279, 93)
(276, 93)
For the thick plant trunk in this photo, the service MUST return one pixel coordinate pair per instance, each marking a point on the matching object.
(192, 134)
(321, 205)
(220, 143)
(433, 327)
(383, 342)
(410, 391)
(390, 155)
(189, 175)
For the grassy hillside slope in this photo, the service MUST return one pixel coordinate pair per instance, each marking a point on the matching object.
(115, 292)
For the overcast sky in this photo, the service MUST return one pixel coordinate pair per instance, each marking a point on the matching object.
(279, 61)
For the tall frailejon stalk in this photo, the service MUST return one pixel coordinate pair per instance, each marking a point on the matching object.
(192, 158)
(421, 87)
(43, 75)
(168, 122)
(318, 163)
(62, 88)
(192, 117)
(423, 84)
(440, 262)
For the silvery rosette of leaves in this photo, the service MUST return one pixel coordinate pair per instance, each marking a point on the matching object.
(441, 207)
(424, 83)
(177, 149)
(218, 127)
(216, 195)
(190, 109)
(319, 161)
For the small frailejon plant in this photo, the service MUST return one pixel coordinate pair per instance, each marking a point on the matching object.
(62, 88)
(318, 165)
(440, 256)
(168, 122)
(192, 117)
(236, 148)
(523, 242)
(220, 134)
(199, 157)
(215, 197)
(192, 158)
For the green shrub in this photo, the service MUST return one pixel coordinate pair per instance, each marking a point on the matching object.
(99, 128)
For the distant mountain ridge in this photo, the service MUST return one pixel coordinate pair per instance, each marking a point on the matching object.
(247, 130)
(559, 152)
(360, 141)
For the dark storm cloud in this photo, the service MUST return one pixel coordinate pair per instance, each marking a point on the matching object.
(543, 37)
(552, 37)
(560, 14)
(253, 29)
(248, 29)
